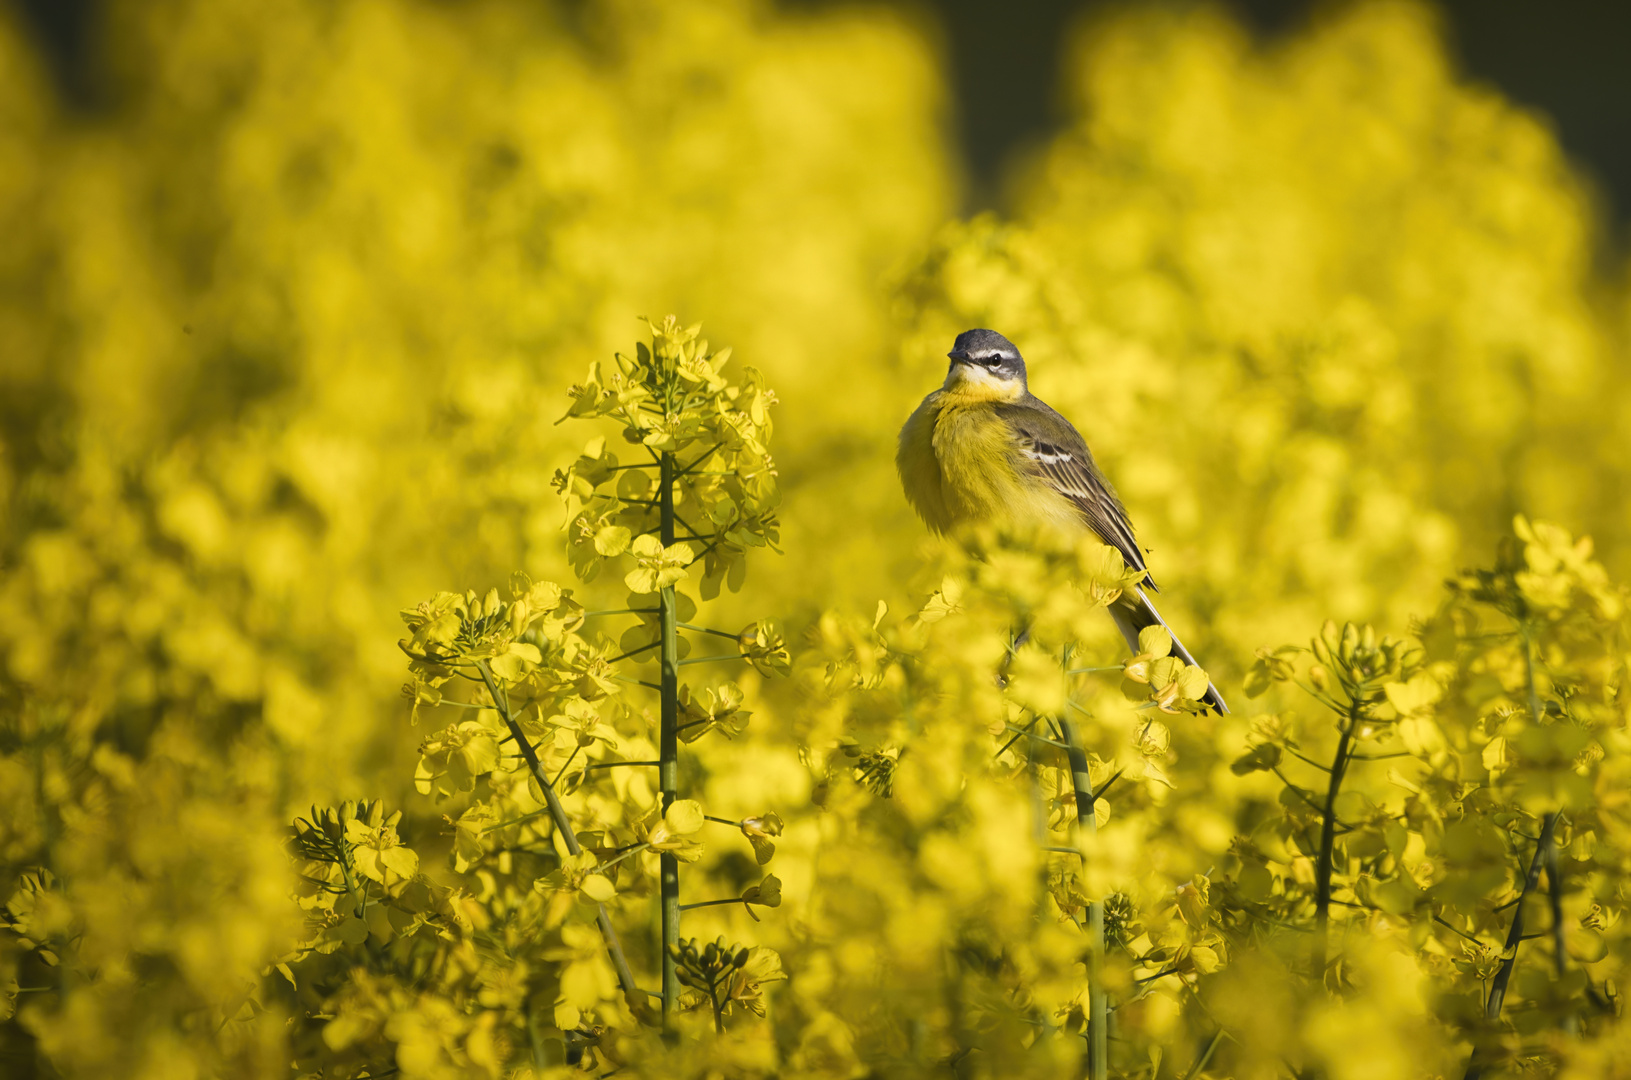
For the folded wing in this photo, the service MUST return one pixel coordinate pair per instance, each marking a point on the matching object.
(1053, 451)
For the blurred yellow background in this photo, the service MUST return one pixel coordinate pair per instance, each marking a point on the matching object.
(284, 338)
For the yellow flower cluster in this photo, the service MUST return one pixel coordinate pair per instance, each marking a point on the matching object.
(285, 343)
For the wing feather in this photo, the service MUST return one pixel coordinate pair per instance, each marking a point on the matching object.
(1053, 450)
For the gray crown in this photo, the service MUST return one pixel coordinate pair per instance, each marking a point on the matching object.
(990, 350)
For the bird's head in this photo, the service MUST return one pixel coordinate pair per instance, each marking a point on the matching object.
(985, 362)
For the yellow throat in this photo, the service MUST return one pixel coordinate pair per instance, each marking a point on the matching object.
(957, 458)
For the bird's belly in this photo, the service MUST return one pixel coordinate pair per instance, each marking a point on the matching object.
(982, 481)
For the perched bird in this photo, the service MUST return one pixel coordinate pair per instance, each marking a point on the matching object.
(984, 448)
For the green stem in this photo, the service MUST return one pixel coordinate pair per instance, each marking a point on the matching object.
(698, 461)
(1206, 1056)
(1020, 733)
(1297, 791)
(1554, 878)
(668, 752)
(1560, 956)
(570, 758)
(1040, 837)
(719, 1012)
(712, 903)
(1328, 825)
(515, 821)
(710, 630)
(1026, 731)
(1310, 761)
(635, 850)
(1509, 956)
(696, 533)
(1098, 1042)
(634, 652)
(625, 977)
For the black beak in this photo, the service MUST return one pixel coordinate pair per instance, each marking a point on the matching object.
(960, 355)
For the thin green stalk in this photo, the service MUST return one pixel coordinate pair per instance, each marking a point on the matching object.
(635, 850)
(668, 752)
(634, 652)
(1560, 955)
(710, 660)
(1098, 1042)
(1453, 928)
(710, 630)
(1039, 837)
(1554, 878)
(1310, 761)
(625, 977)
(1529, 674)
(1328, 836)
(1025, 732)
(515, 821)
(687, 470)
(1296, 790)
(696, 533)
(1206, 1056)
(719, 1013)
(570, 758)
(1509, 957)
(1022, 732)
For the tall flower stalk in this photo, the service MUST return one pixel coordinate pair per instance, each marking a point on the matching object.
(701, 492)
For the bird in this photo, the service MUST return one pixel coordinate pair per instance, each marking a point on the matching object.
(983, 448)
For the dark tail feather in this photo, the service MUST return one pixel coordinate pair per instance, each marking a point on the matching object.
(1133, 612)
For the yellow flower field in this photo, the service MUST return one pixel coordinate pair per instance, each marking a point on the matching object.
(424, 655)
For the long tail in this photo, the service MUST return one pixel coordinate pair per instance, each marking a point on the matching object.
(1133, 612)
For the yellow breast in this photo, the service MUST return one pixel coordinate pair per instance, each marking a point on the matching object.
(960, 464)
